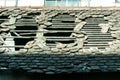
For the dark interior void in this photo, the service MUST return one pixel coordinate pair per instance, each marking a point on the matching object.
(26, 28)
(65, 13)
(23, 41)
(4, 17)
(96, 40)
(63, 28)
(81, 76)
(34, 13)
(59, 34)
(20, 41)
(31, 15)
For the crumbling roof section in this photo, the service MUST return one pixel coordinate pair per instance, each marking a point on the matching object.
(59, 31)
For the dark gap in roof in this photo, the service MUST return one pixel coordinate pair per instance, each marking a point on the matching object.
(4, 17)
(50, 42)
(21, 41)
(34, 13)
(65, 13)
(95, 36)
(27, 17)
(67, 42)
(64, 24)
(20, 30)
(26, 28)
(58, 34)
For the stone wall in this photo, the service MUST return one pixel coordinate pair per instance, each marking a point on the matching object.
(60, 63)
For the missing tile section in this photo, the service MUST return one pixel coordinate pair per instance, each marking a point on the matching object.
(4, 16)
(24, 34)
(60, 31)
(97, 36)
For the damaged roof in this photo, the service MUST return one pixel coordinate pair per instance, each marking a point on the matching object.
(59, 31)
